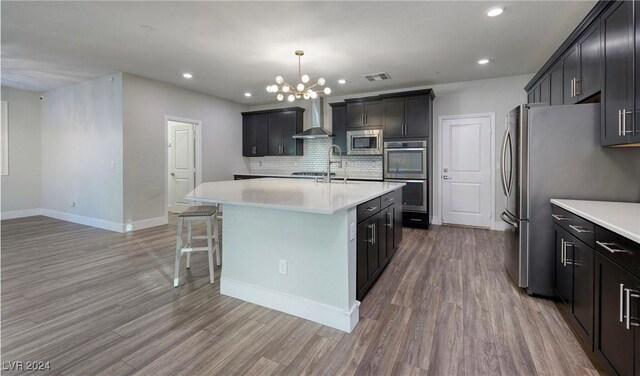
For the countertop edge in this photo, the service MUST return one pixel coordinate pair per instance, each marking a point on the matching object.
(285, 175)
(598, 221)
(295, 208)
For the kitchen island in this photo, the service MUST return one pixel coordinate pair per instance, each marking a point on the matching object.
(290, 244)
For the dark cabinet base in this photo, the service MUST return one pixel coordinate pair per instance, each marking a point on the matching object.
(415, 219)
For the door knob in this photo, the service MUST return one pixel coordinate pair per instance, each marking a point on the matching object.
(173, 174)
(445, 177)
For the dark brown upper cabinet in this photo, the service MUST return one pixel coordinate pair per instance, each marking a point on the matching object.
(270, 132)
(589, 48)
(570, 74)
(617, 97)
(407, 116)
(545, 90)
(556, 82)
(254, 134)
(364, 113)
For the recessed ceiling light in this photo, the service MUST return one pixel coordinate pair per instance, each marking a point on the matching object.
(483, 61)
(187, 75)
(493, 12)
(342, 81)
(247, 94)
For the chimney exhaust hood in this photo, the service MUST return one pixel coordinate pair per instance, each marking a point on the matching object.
(317, 119)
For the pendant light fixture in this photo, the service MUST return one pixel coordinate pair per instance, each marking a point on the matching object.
(303, 89)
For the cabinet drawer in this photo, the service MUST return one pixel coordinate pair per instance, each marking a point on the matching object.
(618, 249)
(391, 198)
(577, 226)
(368, 209)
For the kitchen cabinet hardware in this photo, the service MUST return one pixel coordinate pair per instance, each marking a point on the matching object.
(609, 247)
(563, 252)
(372, 239)
(389, 220)
(580, 229)
(566, 260)
(371, 208)
(560, 217)
(628, 295)
(622, 302)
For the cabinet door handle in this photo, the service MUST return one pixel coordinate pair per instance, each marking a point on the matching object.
(560, 217)
(609, 247)
(624, 113)
(563, 252)
(580, 229)
(363, 118)
(389, 221)
(619, 122)
(575, 86)
(566, 259)
(622, 302)
(371, 208)
(571, 88)
(253, 149)
(630, 294)
(372, 227)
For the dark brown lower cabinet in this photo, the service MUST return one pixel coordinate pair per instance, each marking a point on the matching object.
(378, 236)
(617, 333)
(574, 281)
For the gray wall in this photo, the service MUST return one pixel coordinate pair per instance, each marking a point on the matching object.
(146, 103)
(21, 188)
(82, 149)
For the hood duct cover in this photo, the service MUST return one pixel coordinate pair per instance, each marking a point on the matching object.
(317, 119)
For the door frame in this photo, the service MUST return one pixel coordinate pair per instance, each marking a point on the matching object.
(198, 161)
(438, 174)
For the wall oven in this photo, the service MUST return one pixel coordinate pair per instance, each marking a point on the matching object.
(405, 160)
(367, 142)
(408, 162)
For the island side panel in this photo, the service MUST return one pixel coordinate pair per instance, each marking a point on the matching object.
(320, 280)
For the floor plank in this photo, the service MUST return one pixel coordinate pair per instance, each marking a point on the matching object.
(96, 302)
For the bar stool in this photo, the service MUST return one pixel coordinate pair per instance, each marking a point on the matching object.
(197, 213)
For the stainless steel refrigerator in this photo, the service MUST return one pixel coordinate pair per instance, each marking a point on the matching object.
(554, 152)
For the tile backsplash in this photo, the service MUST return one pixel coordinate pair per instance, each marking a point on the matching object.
(315, 159)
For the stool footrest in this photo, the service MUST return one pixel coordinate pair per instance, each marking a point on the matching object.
(194, 249)
(202, 237)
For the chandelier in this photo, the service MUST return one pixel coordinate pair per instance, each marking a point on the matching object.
(302, 90)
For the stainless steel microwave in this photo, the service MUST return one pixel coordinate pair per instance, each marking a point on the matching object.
(368, 142)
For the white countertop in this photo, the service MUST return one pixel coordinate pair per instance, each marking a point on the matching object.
(287, 174)
(620, 217)
(301, 195)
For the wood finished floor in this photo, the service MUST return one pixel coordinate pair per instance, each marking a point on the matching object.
(96, 302)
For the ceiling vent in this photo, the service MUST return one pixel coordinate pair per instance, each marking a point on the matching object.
(377, 76)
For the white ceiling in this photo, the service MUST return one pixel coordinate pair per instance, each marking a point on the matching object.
(233, 47)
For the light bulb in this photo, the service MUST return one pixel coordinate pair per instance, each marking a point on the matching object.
(285, 88)
(327, 90)
(306, 96)
(291, 98)
(300, 87)
(313, 95)
(305, 78)
(321, 81)
(279, 80)
(269, 89)
(298, 96)
(280, 97)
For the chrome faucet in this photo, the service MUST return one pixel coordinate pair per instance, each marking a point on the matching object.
(327, 178)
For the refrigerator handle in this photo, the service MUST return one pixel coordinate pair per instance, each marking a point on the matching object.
(503, 153)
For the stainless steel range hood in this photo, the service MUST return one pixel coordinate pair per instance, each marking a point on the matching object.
(317, 120)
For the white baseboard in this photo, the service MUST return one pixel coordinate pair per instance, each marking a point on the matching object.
(20, 213)
(145, 223)
(88, 221)
(499, 226)
(436, 220)
(293, 305)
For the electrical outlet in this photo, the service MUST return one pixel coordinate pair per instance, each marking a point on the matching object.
(260, 163)
(73, 204)
(352, 231)
(282, 267)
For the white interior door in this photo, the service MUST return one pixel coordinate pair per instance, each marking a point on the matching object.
(466, 171)
(182, 171)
